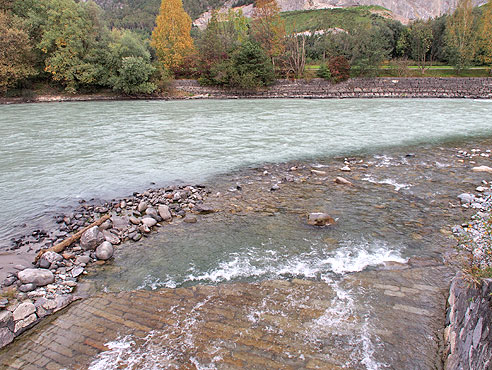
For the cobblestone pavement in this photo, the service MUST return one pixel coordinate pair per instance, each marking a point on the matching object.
(374, 319)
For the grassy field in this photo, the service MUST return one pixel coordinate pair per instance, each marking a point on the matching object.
(346, 18)
(414, 71)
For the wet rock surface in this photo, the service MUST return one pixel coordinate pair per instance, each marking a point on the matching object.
(275, 324)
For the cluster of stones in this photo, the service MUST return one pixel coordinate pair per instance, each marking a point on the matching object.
(409, 87)
(37, 292)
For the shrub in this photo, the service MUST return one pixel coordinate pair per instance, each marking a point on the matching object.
(133, 77)
(324, 72)
(339, 69)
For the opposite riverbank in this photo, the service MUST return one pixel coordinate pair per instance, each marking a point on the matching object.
(382, 87)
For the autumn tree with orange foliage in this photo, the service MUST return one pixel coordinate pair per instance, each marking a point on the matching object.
(268, 29)
(171, 36)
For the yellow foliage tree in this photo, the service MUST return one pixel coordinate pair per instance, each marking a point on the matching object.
(171, 37)
(268, 29)
(485, 33)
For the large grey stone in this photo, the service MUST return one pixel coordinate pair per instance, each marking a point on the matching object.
(6, 319)
(23, 310)
(152, 212)
(149, 221)
(104, 251)
(39, 277)
(142, 206)
(91, 238)
(24, 324)
(119, 223)
(48, 258)
(6, 337)
(164, 212)
(110, 237)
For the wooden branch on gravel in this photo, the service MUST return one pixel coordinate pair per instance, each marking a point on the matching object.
(60, 247)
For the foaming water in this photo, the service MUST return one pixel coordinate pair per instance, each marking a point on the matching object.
(258, 264)
(53, 154)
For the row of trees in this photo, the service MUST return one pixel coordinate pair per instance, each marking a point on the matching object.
(67, 42)
(461, 39)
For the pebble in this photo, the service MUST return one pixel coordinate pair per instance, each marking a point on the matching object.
(345, 169)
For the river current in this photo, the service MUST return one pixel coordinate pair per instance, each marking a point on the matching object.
(52, 155)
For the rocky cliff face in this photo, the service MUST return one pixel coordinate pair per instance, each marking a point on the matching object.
(403, 10)
(408, 9)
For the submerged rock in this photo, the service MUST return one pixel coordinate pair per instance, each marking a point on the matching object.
(203, 209)
(190, 219)
(320, 219)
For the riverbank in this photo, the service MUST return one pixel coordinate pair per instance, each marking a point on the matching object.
(382, 87)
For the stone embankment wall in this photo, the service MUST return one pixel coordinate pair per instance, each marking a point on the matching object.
(468, 335)
(475, 88)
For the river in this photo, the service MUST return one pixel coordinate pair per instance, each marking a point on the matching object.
(52, 155)
(253, 286)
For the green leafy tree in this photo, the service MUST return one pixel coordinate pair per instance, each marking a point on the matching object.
(252, 66)
(368, 49)
(133, 77)
(461, 36)
(171, 37)
(15, 52)
(69, 36)
(420, 42)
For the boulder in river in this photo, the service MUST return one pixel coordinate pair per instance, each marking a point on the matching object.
(91, 238)
(40, 277)
(104, 251)
(203, 209)
(320, 219)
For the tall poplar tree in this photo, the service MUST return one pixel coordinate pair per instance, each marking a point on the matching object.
(171, 36)
(460, 35)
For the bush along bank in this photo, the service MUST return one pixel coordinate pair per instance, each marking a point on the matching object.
(468, 334)
(36, 292)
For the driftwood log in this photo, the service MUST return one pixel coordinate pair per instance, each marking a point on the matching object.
(60, 247)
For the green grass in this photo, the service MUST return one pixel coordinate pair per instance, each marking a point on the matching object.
(414, 71)
(346, 18)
